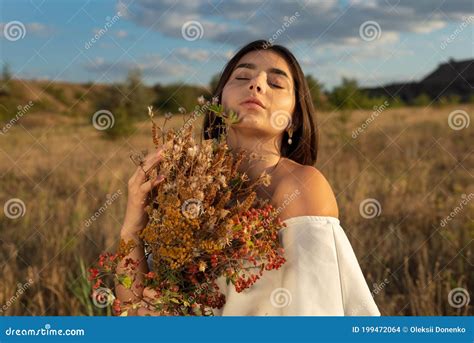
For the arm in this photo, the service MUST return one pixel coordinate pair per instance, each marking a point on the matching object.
(135, 220)
(137, 254)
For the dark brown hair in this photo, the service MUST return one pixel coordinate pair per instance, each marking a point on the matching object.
(304, 148)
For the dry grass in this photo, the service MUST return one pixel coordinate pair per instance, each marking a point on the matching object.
(410, 160)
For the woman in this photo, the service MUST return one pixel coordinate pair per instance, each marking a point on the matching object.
(264, 84)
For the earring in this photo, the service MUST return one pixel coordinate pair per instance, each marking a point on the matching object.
(290, 134)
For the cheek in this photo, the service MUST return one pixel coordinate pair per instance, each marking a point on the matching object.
(283, 103)
(228, 96)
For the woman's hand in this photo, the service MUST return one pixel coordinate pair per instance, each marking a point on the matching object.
(149, 297)
(138, 189)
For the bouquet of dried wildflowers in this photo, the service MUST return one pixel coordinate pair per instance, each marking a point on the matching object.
(205, 222)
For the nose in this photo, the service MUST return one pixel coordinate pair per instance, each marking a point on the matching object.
(258, 83)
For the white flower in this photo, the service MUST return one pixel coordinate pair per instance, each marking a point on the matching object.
(201, 100)
(192, 151)
(221, 179)
(150, 111)
(266, 179)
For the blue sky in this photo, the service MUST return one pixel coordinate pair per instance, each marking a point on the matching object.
(373, 41)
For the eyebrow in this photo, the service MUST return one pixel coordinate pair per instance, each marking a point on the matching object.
(271, 70)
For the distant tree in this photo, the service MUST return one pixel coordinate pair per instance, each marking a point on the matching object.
(110, 98)
(127, 102)
(6, 72)
(214, 81)
(174, 96)
(452, 99)
(123, 124)
(422, 100)
(397, 101)
(320, 100)
(5, 80)
(347, 95)
(136, 96)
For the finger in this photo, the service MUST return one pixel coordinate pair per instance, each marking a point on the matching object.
(149, 292)
(144, 170)
(147, 186)
(151, 162)
(144, 312)
(152, 159)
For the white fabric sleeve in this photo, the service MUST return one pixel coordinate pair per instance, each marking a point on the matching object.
(322, 275)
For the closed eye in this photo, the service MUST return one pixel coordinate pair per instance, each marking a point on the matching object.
(275, 85)
(270, 83)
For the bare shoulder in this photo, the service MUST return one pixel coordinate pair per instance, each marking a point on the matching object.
(305, 191)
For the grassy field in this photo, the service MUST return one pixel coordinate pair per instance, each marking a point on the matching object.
(73, 185)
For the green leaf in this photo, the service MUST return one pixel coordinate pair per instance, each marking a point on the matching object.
(125, 280)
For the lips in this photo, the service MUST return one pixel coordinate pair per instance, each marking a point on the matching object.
(253, 101)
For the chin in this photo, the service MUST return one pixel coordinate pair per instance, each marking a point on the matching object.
(250, 117)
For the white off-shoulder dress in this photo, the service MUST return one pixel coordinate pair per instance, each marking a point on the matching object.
(321, 277)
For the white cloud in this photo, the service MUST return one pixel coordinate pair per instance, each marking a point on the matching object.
(121, 34)
(239, 21)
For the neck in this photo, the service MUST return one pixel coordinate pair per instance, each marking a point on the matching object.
(262, 153)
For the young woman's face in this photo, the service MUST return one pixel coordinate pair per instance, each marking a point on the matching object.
(261, 76)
